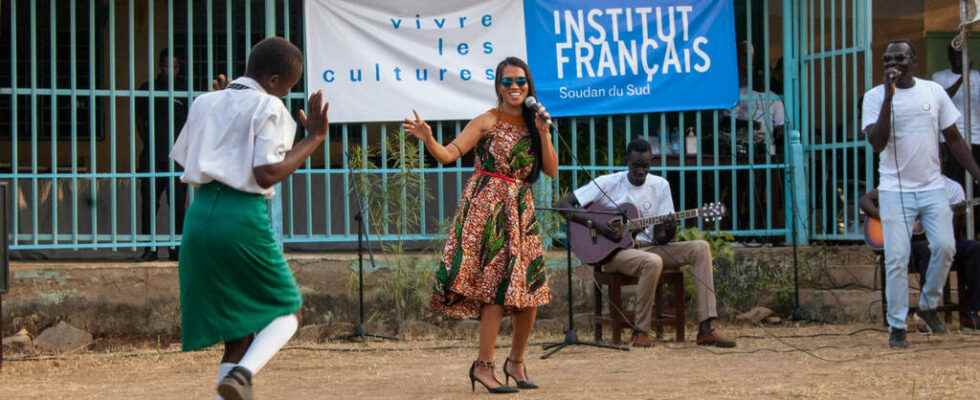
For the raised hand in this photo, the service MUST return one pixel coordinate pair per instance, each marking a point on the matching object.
(220, 83)
(540, 119)
(317, 122)
(891, 77)
(417, 127)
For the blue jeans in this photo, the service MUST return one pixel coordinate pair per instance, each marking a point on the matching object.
(898, 212)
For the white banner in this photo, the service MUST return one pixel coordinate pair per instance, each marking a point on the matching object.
(376, 60)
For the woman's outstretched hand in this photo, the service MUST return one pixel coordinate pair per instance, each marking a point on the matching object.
(417, 127)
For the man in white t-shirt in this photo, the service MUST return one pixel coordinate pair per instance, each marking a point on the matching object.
(952, 79)
(903, 119)
(654, 251)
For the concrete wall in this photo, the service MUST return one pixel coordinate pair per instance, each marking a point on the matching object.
(141, 299)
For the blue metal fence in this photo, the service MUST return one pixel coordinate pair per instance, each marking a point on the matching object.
(835, 68)
(73, 143)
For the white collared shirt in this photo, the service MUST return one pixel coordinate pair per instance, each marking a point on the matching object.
(947, 78)
(230, 131)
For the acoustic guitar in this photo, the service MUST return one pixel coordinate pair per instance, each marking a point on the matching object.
(592, 247)
(874, 233)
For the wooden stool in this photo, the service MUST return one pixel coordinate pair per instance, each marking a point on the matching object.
(619, 318)
(948, 305)
(677, 315)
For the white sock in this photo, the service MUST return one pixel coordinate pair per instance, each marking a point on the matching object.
(223, 369)
(268, 342)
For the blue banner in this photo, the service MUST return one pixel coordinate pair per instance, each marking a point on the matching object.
(631, 56)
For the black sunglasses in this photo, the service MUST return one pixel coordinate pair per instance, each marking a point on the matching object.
(520, 81)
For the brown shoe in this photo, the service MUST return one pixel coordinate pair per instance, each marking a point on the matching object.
(641, 339)
(237, 385)
(970, 321)
(712, 338)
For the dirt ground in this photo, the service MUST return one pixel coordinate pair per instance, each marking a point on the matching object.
(766, 365)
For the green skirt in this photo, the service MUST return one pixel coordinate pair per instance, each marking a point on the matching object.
(234, 279)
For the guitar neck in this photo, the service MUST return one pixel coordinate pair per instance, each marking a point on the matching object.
(964, 204)
(641, 223)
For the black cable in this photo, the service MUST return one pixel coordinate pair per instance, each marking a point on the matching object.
(286, 348)
(898, 173)
(592, 179)
(837, 361)
(392, 350)
(815, 335)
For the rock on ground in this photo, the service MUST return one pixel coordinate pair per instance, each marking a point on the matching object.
(755, 315)
(61, 338)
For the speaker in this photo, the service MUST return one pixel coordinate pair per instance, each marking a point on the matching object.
(4, 246)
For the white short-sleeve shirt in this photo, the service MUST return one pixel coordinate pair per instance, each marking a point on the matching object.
(947, 78)
(954, 191)
(766, 108)
(652, 199)
(920, 113)
(230, 131)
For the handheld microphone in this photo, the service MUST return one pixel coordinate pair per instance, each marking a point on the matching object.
(533, 104)
(892, 74)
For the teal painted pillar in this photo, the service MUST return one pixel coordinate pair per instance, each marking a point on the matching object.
(795, 178)
(797, 187)
(275, 207)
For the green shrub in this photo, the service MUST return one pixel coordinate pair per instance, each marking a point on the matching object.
(406, 283)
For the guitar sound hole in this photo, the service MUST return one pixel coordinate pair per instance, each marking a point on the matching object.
(616, 224)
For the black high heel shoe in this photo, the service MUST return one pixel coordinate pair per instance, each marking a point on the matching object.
(520, 384)
(473, 379)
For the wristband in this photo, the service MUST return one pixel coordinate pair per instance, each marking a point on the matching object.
(458, 151)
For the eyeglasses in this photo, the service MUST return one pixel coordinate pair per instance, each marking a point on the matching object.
(899, 58)
(520, 81)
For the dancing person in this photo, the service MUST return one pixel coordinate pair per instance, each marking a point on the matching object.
(235, 284)
(493, 263)
(654, 250)
(902, 119)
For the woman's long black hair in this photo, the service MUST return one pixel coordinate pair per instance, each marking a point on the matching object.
(529, 115)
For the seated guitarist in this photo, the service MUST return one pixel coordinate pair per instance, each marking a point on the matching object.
(654, 250)
(966, 261)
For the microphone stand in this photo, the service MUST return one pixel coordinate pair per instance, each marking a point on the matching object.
(363, 241)
(571, 337)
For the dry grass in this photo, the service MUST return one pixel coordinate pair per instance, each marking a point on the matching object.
(860, 367)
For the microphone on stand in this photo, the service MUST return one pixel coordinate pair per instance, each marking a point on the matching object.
(533, 104)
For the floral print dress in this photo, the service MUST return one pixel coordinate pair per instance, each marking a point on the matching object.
(493, 254)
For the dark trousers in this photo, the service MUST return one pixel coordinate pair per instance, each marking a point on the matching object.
(150, 206)
(966, 263)
(954, 171)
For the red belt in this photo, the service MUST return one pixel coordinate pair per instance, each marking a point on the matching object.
(497, 175)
